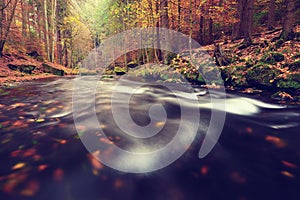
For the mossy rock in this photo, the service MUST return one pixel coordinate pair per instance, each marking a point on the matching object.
(120, 70)
(234, 75)
(40, 59)
(282, 96)
(272, 58)
(50, 69)
(292, 81)
(262, 75)
(22, 68)
(132, 64)
(294, 66)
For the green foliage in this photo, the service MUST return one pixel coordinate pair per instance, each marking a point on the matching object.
(262, 74)
(156, 72)
(234, 75)
(288, 84)
(272, 58)
(292, 81)
(118, 69)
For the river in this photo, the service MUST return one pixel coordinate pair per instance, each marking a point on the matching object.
(41, 156)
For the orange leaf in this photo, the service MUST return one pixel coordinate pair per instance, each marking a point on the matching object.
(18, 166)
(289, 164)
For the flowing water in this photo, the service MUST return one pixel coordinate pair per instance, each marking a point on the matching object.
(41, 156)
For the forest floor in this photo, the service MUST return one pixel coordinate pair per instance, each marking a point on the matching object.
(266, 65)
(18, 68)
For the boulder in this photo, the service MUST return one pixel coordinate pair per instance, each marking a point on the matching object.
(120, 70)
(272, 58)
(33, 54)
(48, 68)
(132, 64)
(26, 68)
(291, 82)
(262, 75)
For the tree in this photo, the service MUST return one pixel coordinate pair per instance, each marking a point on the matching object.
(245, 15)
(289, 20)
(5, 30)
(271, 15)
(46, 32)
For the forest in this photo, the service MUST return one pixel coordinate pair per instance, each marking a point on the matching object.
(64, 32)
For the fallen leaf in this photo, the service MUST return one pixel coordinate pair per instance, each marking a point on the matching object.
(287, 174)
(18, 166)
(58, 174)
(40, 120)
(204, 170)
(289, 164)
(276, 141)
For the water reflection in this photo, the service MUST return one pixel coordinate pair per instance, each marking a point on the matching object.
(41, 157)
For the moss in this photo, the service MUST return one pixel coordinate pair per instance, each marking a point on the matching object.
(234, 75)
(292, 81)
(288, 85)
(295, 65)
(262, 74)
(257, 51)
(40, 59)
(132, 64)
(297, 56)
(272, 58)
(120, 70)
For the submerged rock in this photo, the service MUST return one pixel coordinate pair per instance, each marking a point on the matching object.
(282, 96)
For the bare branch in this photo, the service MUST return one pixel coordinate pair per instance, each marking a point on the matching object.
(5, 6)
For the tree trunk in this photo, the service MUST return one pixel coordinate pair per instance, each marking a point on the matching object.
(7, 29)
(53, 18)
(164, 18)
(179, 15)
(1, 18)
(245, 13)
(210, 31)
(201, 30)
(66, 64)
(59, 46)
(220, 57)
(46, 33)
(271, 15)
(38, 21)
(288, 25)
(24, 19)
(158, 53)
